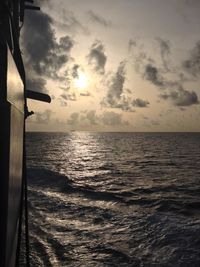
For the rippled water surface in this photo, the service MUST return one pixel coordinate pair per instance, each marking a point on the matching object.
(114, 199)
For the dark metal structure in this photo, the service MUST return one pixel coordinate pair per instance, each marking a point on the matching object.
(13, 111)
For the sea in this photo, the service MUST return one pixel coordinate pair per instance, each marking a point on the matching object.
(114, 199)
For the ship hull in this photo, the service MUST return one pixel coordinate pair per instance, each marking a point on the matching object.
(11, 154)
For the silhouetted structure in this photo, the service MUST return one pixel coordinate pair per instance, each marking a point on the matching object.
(13, 110)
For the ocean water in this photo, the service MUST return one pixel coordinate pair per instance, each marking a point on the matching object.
(114, 199)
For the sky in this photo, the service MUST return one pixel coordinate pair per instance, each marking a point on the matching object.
(113, 65)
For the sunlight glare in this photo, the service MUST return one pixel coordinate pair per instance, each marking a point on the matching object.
(81, 81)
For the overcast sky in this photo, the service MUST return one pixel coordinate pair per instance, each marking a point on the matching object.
(113, 65)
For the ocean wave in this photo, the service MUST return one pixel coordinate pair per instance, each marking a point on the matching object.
(114, 200)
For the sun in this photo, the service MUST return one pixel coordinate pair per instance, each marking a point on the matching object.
(81, 82)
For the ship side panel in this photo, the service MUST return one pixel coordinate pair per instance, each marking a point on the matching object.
(4, 151)
(15, 181)
(15, 96)
(4, 177)
(11, 155)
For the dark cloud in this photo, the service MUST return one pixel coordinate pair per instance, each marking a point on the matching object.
(75, 71)
(117, 95)
(165, 51)
(148, 68)
(65, 44)
(124, 104)
(173, 88)
(44, 55)
(98, 19)
(116, 87)
(181, 97)
(155, 75)
(111, 118)
(36, 84)
(151, 73)
(142, 60)
(43, 117)
(97, 57)
(140, 103)
(192, 65)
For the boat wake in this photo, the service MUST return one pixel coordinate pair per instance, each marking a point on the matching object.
(76, 225)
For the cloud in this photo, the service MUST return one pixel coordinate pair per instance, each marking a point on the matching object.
(181, 97)
(68, 96)
(173, 88)
(111, 118)
(117, 95)
(140, 103)
(116, 87)
(75, 71)
(131, 44)
(97, 57)
(98, 19)
(145, 117)
(36, 84)
(74, 119)
(148, 68)
(192, 3)
(63, 103)
(44, 55)
(65, 97)
(192, 65)
(92, 117)
(64, 19)
(68, 22)
(85, 94)
(155, 122)
(42, 117)
(152, 74)
(108, 118)
(165, 51)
